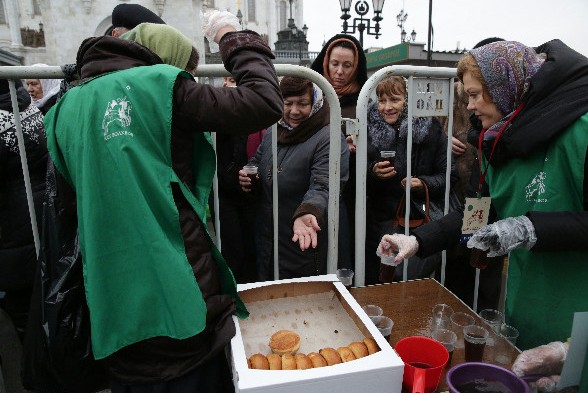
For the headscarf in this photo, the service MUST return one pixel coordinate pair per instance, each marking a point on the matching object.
(50, 88)
(131, 15)
(507, 68)
(169, 44)
(352, 86)
(360, 77)
(317, 104)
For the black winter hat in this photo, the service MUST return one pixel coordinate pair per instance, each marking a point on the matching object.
(131, 15)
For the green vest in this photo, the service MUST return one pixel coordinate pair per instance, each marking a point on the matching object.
(111, 140)
(544, 289)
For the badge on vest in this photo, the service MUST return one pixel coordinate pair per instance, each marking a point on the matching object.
(475, 216)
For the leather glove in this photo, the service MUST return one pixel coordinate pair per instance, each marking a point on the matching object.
(407, 246)
(505, 235)
(547, 360)
(212, 21)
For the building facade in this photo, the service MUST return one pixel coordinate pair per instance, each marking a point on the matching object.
(50, 31)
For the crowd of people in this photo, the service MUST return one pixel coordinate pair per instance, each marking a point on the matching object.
(528, 108)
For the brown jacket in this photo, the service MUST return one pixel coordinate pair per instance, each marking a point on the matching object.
(256, 104)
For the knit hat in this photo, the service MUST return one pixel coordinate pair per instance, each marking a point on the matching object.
(131, 15)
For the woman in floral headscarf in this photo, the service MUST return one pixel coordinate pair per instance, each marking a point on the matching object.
(533, 106)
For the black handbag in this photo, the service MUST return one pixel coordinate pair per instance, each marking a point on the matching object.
(57, 349)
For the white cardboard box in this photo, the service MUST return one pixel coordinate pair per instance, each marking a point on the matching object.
(284, 304)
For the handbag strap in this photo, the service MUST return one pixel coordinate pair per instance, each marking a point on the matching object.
(400, 209)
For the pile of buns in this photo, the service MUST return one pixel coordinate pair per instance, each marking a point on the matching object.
(300, 361)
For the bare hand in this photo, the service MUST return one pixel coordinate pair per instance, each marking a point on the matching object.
(245, 181)
(383, 169)
(305, 228)
(415, 183)
(351, 144)
(457, 146)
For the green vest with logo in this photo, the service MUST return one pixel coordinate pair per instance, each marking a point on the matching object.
(111, 139)
(544, 289)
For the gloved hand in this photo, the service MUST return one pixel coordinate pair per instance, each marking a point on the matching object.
(407, 246)
(547, 360)
(504, 235)
(212, 22)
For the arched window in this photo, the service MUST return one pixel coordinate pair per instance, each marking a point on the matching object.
(36, 8)
(2, 14)
(251, 17)
(283, 15)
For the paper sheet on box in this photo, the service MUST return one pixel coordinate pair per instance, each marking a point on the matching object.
(319, 319)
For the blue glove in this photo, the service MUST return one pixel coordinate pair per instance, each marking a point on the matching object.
(505, 235)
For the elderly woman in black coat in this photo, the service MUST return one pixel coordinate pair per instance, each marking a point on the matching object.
(303, 184)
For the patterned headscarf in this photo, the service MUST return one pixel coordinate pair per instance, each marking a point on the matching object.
(50, 88)
(507, 68)
(317, 104)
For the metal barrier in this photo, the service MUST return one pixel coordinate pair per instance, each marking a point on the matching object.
(53, 72)
(430, 93)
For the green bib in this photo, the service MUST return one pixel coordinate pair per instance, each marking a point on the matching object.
(544, 288)
(111, 139)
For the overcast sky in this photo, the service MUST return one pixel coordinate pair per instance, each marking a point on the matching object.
(464, 21)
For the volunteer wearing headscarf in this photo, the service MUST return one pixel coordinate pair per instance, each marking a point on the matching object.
(533, 106)
(132, 142)
(303, 184)
(342, 62)
(17, 248)
(43, 91)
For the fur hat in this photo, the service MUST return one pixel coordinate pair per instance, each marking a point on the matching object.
(131, 15)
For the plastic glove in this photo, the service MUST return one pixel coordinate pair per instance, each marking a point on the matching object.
(407, 246)
(212, 22)
(547, 360)
(504, 235)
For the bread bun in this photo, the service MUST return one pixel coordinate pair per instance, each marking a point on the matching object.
(302, 361)
(317, 360)
(259, 362)
(346, 354)
(284, 341)
(288, 362)
(331, 356)
(249, 363)
(275, 361)
(371, 345)
(359, 349)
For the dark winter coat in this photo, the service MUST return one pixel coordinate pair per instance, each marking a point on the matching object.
(197, 108)
(303, 188)
(428, 162)
(17, 249)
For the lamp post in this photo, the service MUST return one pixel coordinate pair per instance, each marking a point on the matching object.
(401, 19)
(362, 24)
(297, 35)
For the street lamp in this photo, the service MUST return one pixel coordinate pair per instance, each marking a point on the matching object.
(362, 24)
(401, 19)
(300, 37)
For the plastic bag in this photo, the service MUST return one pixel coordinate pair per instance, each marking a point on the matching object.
(57, 351)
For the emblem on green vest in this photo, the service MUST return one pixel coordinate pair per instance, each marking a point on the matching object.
(117, 111)
(536, 188)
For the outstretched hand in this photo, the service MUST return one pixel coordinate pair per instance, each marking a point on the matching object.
(305, 230)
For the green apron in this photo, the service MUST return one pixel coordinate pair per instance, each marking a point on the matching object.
(544, 289)
(111, 139)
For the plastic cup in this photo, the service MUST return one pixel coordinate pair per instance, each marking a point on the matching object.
(440, 317)
(491, 319)
(374, 312)
(474, 337)
(388, 155)
(345, 276)
(459, 320)
(446, 337)
(385, 327)
(424, 360)
(251, 171)
(506, 338)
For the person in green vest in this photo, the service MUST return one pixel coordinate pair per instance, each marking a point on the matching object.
(533, 145)
(132, 146)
